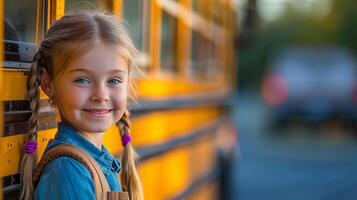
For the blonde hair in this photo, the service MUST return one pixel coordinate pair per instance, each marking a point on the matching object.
(67, 39)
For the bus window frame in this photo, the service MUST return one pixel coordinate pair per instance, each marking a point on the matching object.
(1, 81)
(1, 75)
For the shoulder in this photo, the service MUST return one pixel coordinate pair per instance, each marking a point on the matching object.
(65, 164)
(65, 178)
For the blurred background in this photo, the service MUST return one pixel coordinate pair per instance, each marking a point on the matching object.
(296, 103)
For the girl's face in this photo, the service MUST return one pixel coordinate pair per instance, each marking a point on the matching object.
(91, 94)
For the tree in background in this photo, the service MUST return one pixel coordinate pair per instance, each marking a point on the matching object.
(292, 28)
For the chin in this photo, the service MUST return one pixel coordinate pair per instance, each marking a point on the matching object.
(97, 129)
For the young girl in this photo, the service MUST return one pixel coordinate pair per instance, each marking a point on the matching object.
(83, 65)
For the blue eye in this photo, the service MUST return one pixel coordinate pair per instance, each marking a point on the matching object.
(82, 81)
(114, 81)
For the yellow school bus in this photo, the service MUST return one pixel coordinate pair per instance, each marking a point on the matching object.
(184, 94)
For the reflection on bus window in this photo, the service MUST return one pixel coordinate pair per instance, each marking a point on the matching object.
(168, 43)
(91, 5)
(137, 15)
(20, 20)
(202, 57)
(202, 50)
(132, 12)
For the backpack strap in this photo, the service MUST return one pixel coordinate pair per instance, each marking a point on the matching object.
(100, 182)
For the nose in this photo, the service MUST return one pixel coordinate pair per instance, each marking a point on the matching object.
(100, 93)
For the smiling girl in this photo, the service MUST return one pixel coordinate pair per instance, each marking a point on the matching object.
(83, 64)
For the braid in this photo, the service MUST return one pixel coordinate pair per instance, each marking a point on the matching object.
(125, 123)
(29, 160)
(34, 94)
(129, 176)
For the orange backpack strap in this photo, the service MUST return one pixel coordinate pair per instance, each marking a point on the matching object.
(100, 182)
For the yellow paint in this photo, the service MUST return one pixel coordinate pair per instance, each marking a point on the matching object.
(48, 17)
(11, 150)
(165, 176)
(149, 173)
(155, 37)
(1, 119)
(10, 154)
(59, 9)
(202, 156)
(14, 87)
(112, 140)
(42, 140)
(177, 170)
(56, 10)
(159, 86)
(160, 126)
(117, 8)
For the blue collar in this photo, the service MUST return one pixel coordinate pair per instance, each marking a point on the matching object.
(68, 135)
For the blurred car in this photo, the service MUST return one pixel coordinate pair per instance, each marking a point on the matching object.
(311, 84)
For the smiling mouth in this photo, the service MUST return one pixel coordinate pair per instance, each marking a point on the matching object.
(98, 112)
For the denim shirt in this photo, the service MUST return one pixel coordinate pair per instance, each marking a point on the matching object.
(66, 178)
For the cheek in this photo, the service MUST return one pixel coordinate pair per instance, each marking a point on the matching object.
(120, 99)
(71, 97)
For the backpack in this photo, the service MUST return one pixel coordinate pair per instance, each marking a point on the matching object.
(102, 189)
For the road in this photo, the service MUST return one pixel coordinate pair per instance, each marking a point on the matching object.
(276, 164)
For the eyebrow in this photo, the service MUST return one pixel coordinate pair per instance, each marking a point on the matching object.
(88, 71)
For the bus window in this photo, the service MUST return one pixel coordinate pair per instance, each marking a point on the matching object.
(132, 12)
(168, 43)
(137, 15)
(19, 33)
(202, 57)
(20, 20)
(202, 49)
(73, 5)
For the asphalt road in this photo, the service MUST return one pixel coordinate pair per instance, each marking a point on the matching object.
(290, 163)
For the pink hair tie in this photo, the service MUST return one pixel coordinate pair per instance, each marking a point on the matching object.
(125, 139)
(30, 147)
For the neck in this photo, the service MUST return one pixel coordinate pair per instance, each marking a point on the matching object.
(94, 138)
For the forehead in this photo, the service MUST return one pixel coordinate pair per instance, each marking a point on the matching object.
(100, 59)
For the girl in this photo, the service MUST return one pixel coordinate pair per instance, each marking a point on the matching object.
(83, 65)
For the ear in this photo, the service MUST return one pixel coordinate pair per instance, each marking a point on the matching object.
(47, 83)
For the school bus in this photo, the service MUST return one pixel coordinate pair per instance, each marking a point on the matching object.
(183, 97)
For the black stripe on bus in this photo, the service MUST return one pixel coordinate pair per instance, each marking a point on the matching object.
(11, 187)
(204, 100)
